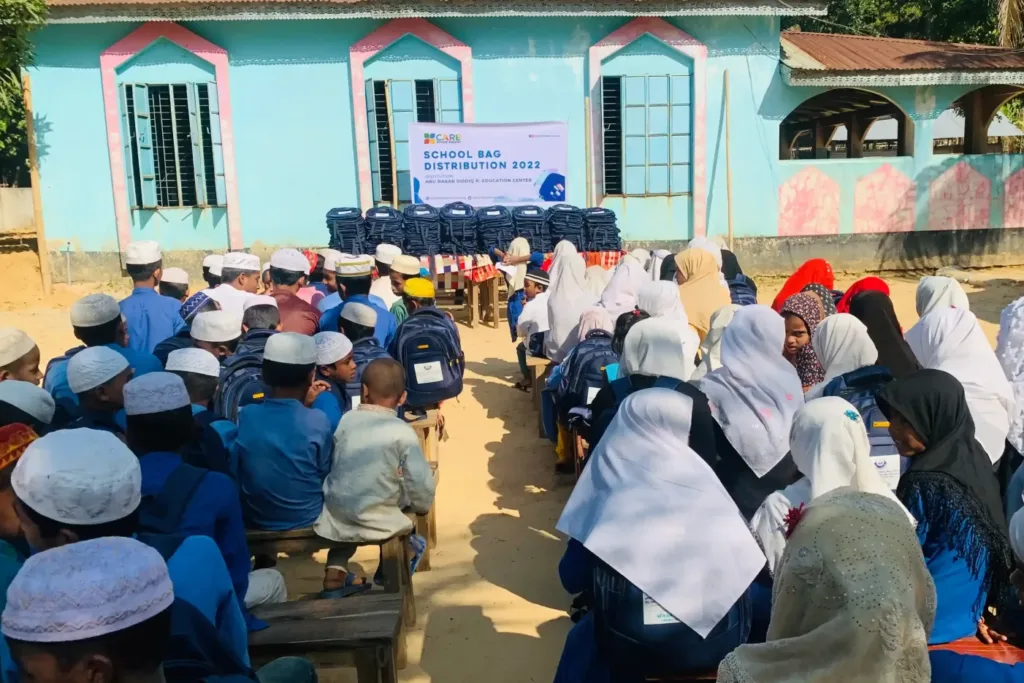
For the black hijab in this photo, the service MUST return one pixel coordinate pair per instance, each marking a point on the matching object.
(875, 310)
(11, 414)
(730, 265)
(668, 268)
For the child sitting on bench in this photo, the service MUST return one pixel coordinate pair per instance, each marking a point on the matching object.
(378, 469)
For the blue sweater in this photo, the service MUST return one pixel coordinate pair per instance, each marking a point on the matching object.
(951, 667)
(151, 318)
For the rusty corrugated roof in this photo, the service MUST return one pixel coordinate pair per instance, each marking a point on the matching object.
(837, 52)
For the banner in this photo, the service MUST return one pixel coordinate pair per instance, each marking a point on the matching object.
(485, 164)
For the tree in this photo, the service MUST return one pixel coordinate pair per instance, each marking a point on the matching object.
(18, 18)
(1011, 23)
(959, 21)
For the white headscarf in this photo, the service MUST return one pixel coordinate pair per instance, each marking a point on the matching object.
(655, 347)
(658, 257)
(519, 247)
(642, 256)
(620, 294)
(756, 392)
(711, 347)
(567, 300)
(713, 248)
(936, 291)
(831, 449)
(656, 513)
(842, 345)
(597, 279)
(950, 339)
(1010, 351)
(661, 300)
(594, 318)
(853, 600)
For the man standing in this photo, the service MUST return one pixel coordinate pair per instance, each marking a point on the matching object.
(381, 287)
(288, 269)
(151, 318)
(240, 278)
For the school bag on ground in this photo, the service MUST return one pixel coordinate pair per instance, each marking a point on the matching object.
(364, 352)
(584, 371)
(859, 388)
(742, 290)
(241, 383)
(162, 512)
(428, 347)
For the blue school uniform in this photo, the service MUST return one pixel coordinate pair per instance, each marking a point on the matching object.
(217, 435)
(281, 457)
(103, 420)
(333, 300)
(56, 379)
(515, 309)
(182, 340)
(951, 667)
(333, 403)
(383, 331)
(1015, 493)
(151, 318)
(10, 563)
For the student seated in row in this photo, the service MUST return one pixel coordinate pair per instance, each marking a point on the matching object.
(532, 325)
(335, 369)
(190, 308)
(378, 469)
(283, 450)
(357, 323)
(97, 377)
(354, 275)
(217, 332)
(402, 268)
(19, 356)
(174, 284)
(151, 318)
(211, 447)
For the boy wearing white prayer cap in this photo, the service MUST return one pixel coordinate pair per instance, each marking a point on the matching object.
(75, 485)
(402, 268)
(357, 323)
(378, 469)
(217, 332)
(97, 376)
(160, 427)
(240, 278)
(212, 264)
(288, 271)
(355, 277)
(200, 371)
(174, 284)
(25, 403)
(331, 257)
(336, 367)
(151, 318)
(19, 356)
(283, 450)
(96, 321)
(381, 287)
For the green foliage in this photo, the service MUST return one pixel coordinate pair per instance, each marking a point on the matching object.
(18, 18)
(959, 21)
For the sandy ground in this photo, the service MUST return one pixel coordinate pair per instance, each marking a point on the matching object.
(492, 607)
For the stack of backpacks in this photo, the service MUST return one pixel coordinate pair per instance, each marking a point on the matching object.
(531, 222)
(422, 230)
(384, 225)
(565, 222)
(346, 227)
(458, 229)
(494, 228)
(601, 230)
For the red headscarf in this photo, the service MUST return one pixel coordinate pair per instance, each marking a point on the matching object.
(868, 284)
(817, 270)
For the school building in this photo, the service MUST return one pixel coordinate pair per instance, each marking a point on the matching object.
(238, 123)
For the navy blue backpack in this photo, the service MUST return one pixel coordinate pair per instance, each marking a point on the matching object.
(584, 371)
(428, 347)
(364, 352)
(741, 292)
(241, 383)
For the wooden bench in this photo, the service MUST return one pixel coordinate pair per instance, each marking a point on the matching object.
(361, 632)
(539, 370)
(430, 443)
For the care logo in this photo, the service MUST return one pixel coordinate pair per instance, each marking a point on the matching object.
(441, 138)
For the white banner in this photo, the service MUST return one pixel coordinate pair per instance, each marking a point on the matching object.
(483, 164)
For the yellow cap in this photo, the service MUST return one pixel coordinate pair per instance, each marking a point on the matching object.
(419, 288)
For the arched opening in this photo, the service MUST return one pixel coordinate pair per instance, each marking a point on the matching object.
(846, 123)
(974, 123)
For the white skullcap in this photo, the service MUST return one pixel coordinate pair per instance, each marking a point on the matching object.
(142, 253)
(241, 261)
(28, 398)
(14, 344)
(360, 314)
(155, 392)
(194, 360)
(265, 268)
(331, 257)
(386, 253)
(175, 276)
(258, 300)
(79, 476)
(216, 327)
(290, 259)
(214, 262)
(94, 310)
(406, 265)
(354, 266)
(86, 590)
(93, 367)
(331, 347)
(290, 348)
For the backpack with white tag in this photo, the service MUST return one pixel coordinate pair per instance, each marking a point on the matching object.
(584, 371)
(364, 352)
(428, 347)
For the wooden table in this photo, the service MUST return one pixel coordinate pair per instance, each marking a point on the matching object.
(362, 631)
(483, 299)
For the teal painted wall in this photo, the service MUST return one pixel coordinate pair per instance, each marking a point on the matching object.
(293, 126)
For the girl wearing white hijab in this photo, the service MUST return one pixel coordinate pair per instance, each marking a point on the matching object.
(711, 347)
(567, 300)
(951, 340)
(842, 345)
(753, 398)
(620, 294)
(654, 267)
(597, 279)
(936, 291)
(661, 300)
(669, 554)
(853, 600)
(830, 448)
(1010, 351)
(642, 256)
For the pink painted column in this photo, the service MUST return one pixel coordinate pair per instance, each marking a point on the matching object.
(376, 42)
(123, 50)
(697, 52)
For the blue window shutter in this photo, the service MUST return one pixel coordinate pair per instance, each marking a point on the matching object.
(194, 128)
(402, 96)
(371, 129)
(218, 146)
(129, 145)
(448, 100)
(144, 146)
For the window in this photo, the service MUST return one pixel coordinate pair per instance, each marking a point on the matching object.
(173, 145)
(391, 105)
(646, 130)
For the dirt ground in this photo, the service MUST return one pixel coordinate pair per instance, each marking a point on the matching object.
(492, 607)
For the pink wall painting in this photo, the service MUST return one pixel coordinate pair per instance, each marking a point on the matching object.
(809, 205)
(959, 199)
(1013, 201)
(884, 202)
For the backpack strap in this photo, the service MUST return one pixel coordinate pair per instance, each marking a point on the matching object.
(667, 383)
(622, 388)
(165, 544)
(162, 513)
